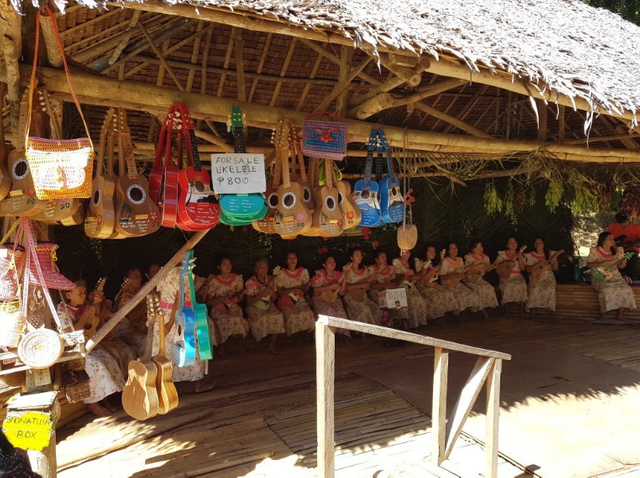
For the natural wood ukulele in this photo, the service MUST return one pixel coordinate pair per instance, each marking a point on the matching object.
(167, 394)
(328, 218)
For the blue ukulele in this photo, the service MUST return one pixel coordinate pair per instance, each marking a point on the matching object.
(391, 199)
(365, 191)
(183, 351)
(205, 351)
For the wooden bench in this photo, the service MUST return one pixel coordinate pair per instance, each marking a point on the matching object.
(580, 301)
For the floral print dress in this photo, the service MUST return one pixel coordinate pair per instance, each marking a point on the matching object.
(263, 322)
(439, 299)
(228, 321)
(513, 289)
(417, 310)
(485, 291)
(105, 375)
(466, 298)
(322, 279)
(366, 310)
(542, 290)
(298, 316)
(125, 331)
(169, 288)
(613, 292)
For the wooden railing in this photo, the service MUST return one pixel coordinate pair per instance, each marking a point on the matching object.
(445, 432)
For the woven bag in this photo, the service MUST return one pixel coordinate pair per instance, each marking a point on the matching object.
(324, 139)
(76, 384)
(60, 168)
(12, 323)
(46, 256)
(407, 236)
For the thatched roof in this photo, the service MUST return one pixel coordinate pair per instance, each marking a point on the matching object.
(564, 46)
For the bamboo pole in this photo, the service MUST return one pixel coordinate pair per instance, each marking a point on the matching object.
(142, 293)
(342, 88)
(11, 26)
(242, 86)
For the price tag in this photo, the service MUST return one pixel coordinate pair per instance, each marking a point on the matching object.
(238, 173)
(28, 430)
(393, 298)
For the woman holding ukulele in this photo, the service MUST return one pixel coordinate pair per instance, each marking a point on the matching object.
(542, 283)
(354, 289)
(513, 287)
(479, 263)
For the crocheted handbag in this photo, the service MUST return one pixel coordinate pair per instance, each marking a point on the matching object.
(324, 139)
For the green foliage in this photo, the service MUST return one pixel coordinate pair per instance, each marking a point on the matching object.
(627, 9)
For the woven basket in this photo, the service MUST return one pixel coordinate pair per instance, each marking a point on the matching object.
(11, 268)
(46, 253)
(11, 324)
(324, 139)
(40, 349)
(76, 365)
(407, 236)
(76, 384)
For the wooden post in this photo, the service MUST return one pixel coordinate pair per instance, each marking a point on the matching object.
(439, 405)
(493, 412)
(543, 127)
(325, 376)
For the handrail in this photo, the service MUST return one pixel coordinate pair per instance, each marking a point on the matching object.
(409, 337)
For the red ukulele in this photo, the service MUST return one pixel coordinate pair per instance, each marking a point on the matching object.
(198, 208)
(163, 180)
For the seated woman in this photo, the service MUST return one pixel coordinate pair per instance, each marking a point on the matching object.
(169, 289)
(354, 289)
(513, 288)
(105, 374)
(264, 318)
(613, 292)
(327, 280)
(417, 307)
(384, 275)
(132, 330)
(542, 287)
(478, 261)
(224, 293)
(292, 283)
(451, 276)
(438, 298)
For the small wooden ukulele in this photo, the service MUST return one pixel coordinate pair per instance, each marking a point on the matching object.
(183, 353)
(349, 208)
(356, 294)
(504, 267)
(167, 394)
(391, 199)
(538, 269)
(140, 396)
(328, 218)
(476, 271)
(453, 279)
(266, 224)
(93, 323)
(305, 182)
(366, 190)
(331, 296)
(136, 215)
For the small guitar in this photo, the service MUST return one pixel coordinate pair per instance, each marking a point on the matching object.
(5, 179)
(349, 208)
(597, 274)
(184, 345)
(167, 394)
(291, 217)
(328, 218)
(366, 190)
(140, 396)
(476, 271)
(430, 279)
(198, 208)
(241, 206)
(356, 294)
(205, 350)
(331, 296)
(453, 279)
(537, 270)
(504, 267)
(266, 223)
(622, 242)
(391, 199)
(92, 324)
(136, 215)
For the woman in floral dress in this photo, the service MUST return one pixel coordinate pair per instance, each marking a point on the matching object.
(292, 283)
(438, 298)
(452, 265)
(132, 330)
(513, 289)
(169, 290)
(327, 280)
(384, 275)
(476, 258)
(355, 287)
(105, 374)
(264, 318)
(613, 292)
(417, 306)
(542, 290)
(224, 293)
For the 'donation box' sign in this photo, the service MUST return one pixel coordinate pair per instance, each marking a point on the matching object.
(28, 430)
(238, 173)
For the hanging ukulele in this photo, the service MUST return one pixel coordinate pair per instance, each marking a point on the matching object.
(267, 223)
(328, 217)
(349, 208)
(391, 199)
(297, 156)
(167, 394)
(205, 351)
(183, 352)
(198, 208)
(240, 209)
(366, 189)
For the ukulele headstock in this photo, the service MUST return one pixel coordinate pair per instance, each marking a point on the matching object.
(281, 139)
(236, 119)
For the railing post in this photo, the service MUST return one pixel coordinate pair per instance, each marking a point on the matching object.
(439, 405)
(325, 376)
(493, 412)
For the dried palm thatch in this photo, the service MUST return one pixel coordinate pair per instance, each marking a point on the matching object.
(558, 46)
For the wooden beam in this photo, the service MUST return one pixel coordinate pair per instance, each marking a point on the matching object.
(100, 90)
(307, 87)
(160, 56)
(439, 404)
(342, 88)
(227, 60)
(543, 126)
(452, 120)
(133, 22)
(493, 414)
(11, 29)
(469, 105)
(325, 399)
(263, 58)
(601, 139)
(562, 123)
(449, 67)
(242, 86)
(283, 72)
(195, 54)
(54, 56)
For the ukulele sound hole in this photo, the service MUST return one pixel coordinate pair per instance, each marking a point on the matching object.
(340, 198)
(365, 194)
(96, 197)
(394, 191)
(20, 169)
(136, 194)
(199, 186)
(331, 203)
(289, 200)
(273, 200)
(307, 195)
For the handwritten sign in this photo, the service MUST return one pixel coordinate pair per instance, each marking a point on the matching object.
(28, 430)
(238, 173)
(393, 298)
